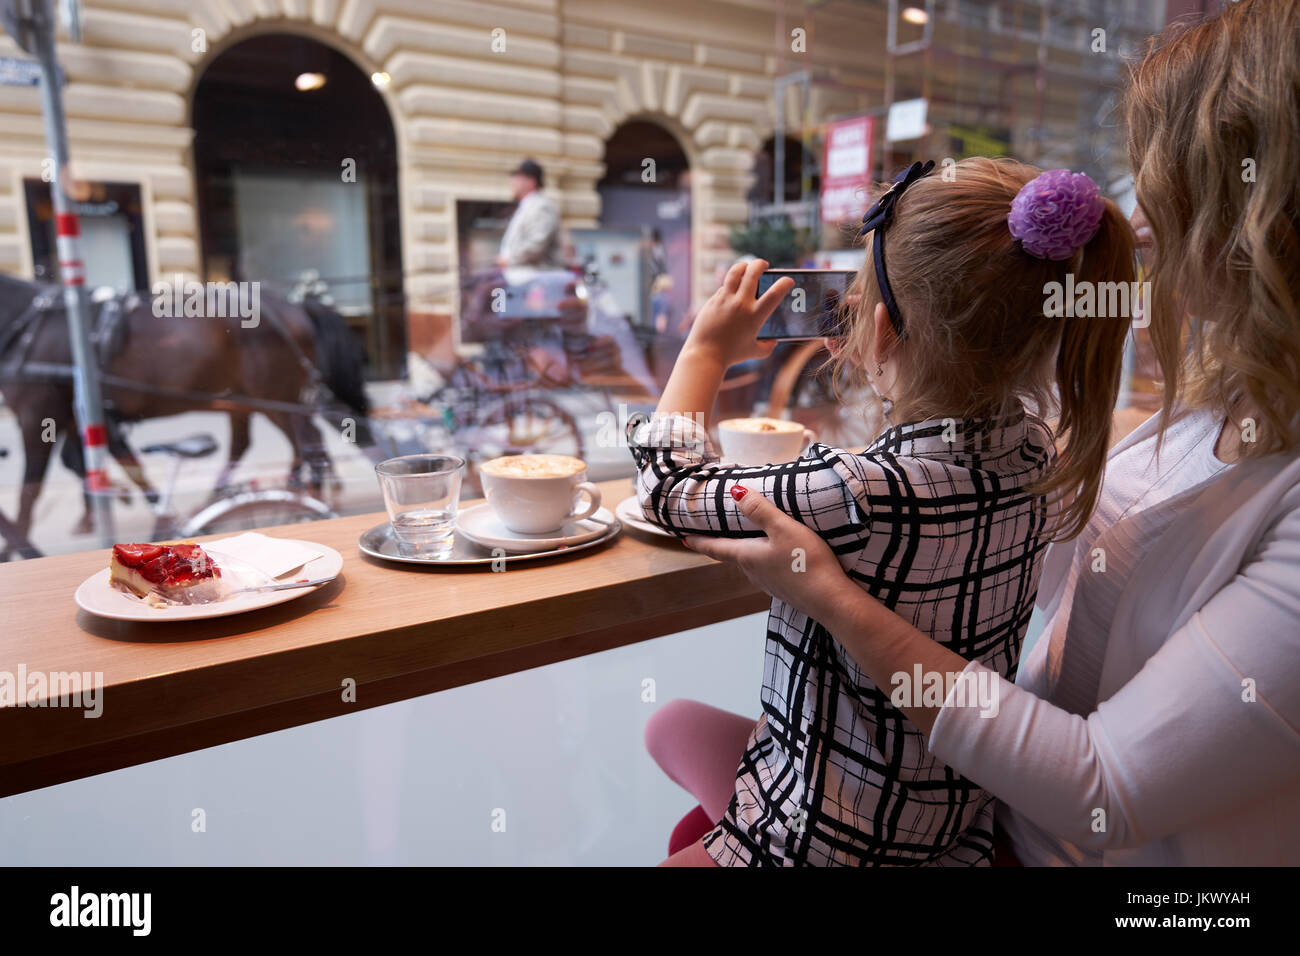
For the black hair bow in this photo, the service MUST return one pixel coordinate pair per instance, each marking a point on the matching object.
(879, 215)
(882, 213)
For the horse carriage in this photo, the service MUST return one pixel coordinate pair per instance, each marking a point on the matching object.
(295, 363)
(538, 348)
(537, 354)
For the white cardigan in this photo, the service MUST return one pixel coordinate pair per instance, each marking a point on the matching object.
(1186, 771)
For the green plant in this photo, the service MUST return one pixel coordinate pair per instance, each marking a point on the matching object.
(774, 238)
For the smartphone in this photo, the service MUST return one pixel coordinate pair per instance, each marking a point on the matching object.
(811, 310)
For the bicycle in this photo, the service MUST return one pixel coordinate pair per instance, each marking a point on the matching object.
(237, 508)
(503, 399)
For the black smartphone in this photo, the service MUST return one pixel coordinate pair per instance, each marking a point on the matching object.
(811, 310)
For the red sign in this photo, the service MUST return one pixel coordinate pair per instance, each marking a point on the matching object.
(846, 168)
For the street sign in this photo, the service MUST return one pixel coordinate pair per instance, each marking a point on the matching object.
(978, 141)
(846, 168)
(15, 72)
(906, 121)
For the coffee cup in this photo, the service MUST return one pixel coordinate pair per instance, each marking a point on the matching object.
(759, 441)
(535, 494)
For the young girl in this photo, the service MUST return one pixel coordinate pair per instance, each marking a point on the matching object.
(944, 518)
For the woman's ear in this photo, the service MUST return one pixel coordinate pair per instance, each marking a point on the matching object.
(885, 339)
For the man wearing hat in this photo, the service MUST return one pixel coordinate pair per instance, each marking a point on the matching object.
(532, 238)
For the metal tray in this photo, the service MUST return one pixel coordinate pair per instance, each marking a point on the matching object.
(378, 542)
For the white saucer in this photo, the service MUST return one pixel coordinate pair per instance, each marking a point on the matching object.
(629, 512)
(482, 526)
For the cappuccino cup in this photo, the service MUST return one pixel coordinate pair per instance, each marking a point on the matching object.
(535, 494)
(760, 441)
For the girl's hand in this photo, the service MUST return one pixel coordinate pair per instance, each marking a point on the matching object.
(727, 325)
(792, 563)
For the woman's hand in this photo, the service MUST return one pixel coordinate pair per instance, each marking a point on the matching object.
(792, 563)
(795, 565)
(727, 326)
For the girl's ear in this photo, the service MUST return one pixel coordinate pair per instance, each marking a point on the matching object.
(884, 339)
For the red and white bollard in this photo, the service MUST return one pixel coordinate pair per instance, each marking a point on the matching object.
(94, 434)
(36, 35)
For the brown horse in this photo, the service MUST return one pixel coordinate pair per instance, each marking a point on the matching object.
(296, 360)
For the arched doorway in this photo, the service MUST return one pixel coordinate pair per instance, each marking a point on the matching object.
(646, 213)
(296, 169)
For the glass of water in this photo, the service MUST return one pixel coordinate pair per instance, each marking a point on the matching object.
(421, 493)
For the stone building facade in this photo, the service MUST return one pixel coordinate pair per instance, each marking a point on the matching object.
(474, 86)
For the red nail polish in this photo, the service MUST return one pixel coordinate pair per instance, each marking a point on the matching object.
(738, 491)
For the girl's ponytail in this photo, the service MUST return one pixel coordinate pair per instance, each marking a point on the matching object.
(1089, 363)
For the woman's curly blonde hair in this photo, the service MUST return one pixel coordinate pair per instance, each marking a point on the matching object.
(1213, 115)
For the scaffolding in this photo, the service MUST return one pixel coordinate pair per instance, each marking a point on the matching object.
(1037, 78)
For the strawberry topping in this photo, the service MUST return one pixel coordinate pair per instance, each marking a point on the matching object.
(165, 565)
(134, 555)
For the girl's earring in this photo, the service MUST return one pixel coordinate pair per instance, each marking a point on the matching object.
(879, 370)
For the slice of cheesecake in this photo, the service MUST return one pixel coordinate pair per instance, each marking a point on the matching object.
(180, 573)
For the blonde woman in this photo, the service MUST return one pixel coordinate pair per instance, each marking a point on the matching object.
(1157, 719)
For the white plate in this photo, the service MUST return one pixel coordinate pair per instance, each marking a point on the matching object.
(97, 596)
(629, 512)
(482, 526)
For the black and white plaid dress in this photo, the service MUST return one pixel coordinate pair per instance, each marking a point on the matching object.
(932, 520)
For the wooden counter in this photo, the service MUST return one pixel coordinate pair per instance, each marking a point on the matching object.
(397, 630)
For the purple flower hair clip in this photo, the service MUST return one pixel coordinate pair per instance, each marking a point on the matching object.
(1056, 213)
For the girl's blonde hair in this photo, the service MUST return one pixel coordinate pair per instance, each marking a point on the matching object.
(1213, 115)
(978, 343)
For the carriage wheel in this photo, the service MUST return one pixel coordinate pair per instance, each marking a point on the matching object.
(255, 510)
